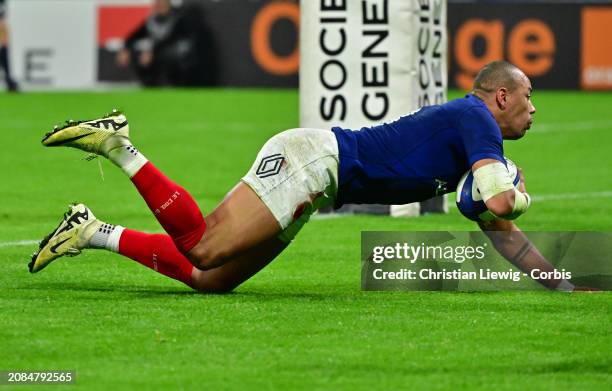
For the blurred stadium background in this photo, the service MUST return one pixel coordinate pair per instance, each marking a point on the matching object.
(560, 44)
(303, 322)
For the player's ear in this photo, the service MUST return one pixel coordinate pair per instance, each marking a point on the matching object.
(501, 97)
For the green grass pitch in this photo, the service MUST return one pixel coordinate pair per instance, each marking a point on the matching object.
(302, 323)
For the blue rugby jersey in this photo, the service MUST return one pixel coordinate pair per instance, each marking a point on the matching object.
(418, 156)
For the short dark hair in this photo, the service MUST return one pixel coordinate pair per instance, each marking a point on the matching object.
(497, 74)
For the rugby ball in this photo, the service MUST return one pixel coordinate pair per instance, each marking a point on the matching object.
(469, 200)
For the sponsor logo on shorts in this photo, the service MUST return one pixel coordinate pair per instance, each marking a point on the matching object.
(270, 165)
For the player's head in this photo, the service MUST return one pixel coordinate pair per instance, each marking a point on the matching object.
(507, 92)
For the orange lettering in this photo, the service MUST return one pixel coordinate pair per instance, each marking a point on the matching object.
(260, 38)
(531, 47)
(493, 34)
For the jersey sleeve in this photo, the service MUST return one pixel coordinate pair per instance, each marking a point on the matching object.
(481, 135)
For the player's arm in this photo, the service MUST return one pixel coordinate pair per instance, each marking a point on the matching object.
(498, 191)
(514, 245)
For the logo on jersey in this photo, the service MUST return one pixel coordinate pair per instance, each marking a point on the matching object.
(270, 165)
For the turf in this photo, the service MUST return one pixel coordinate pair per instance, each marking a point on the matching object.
(302, 323)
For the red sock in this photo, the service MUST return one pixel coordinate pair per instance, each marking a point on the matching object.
(157, 252)
(173, 206)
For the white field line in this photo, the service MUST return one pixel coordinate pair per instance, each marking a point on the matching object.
(550, 197)
(572, 196)
(19, 243)
(564, 196)
(549, 127)
(536, 198)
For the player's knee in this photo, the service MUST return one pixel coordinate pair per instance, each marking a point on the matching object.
(206, 257)
(209, 285)
(211, 282)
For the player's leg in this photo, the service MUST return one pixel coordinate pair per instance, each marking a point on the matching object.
(241, 222)
(158, 252)
(172, 205)
(239, 269)
(232, 245)
(155, 251)
(80, 229)
(243, 266)
(294, 173)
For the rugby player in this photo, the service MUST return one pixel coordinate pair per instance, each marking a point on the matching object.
(298, 171)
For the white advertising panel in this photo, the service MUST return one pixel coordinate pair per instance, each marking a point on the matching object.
(53, 43)
(370, 61)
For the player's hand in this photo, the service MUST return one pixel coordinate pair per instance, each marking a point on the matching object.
(521, 185)
(585, 289)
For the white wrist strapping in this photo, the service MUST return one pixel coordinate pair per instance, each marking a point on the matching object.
(492, 179)
(521, 204)
(522, 201)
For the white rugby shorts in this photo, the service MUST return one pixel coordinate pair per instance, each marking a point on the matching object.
(296, 173)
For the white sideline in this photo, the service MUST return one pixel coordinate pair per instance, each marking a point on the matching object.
(19, 243)
(547, 127)
(572, 196)
(549, 197)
